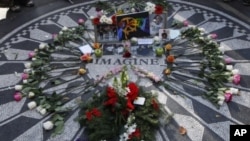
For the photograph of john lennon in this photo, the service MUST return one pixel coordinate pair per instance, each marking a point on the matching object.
(133, 25)
(106, 32)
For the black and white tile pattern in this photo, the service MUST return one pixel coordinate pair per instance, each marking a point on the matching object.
(201, 119)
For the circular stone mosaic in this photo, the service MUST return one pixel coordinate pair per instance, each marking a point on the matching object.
(60, 67)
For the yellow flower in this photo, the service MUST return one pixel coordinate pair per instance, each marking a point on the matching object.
(96, 45)
(167, 71)
(81, 71)
(168, 47)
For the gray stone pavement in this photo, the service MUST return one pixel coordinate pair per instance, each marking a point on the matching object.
(23, 32)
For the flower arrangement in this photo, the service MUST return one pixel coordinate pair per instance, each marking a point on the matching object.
(215, 71)
(122, 112)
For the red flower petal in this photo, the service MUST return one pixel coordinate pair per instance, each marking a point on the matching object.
(88, 115)
(96, 21)
(111, 101)
(158, 9)
(134, 91)
(130, 106)
(155, 104)
(127, 54)
(136, 134)
(96, 112)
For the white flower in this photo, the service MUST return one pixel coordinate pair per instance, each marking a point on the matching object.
(25, 81)
(27, 65)
(157, 39)
(150, 7)
(39, 108)
(27, 70)
(48, 125)
(221, 97)
(60, 33)
(32, 105)
(221, 49)
(134, 39)
(42, 46)
(234, 91)
(227, 73)
(18, 87)
(131, 130)
(36, 50)
(43, 111)
(235, 71)
(109, 21)
(201, 38)
(33, 59)
(230, 79)
(103, 19)
(220, 102)
(202, 30)
(31, 94)
(64, 28)
(229, 67)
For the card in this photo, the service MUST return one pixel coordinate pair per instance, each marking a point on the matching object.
(86, 49)
(145, 41)
(139, 101)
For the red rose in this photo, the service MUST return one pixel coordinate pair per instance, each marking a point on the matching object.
(158, 9)
(155, 104)
(134, 91)
(96, 21)
(135, 134)
(111, 101)
(88, 115)
(130, 106)
(111, 92)
(127, 54)
(96, 112)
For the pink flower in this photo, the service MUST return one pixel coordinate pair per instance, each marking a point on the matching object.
(228, 97)
(99, 13)
(185, 23)
(17, 96)
(25, 76)
(80, 21)
(228, 60)
(213, 36)
(236, 79)
(32, 54)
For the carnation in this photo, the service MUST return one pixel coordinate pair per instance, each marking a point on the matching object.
(18, 87)
(31, 94)
(43, 111)
(48, 125)
(42, 46)
(32, 105)
(64, 28)
(27, 65)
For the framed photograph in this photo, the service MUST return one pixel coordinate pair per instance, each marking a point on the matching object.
(164, 34)
(106, 33)
(157, 22)
(133, 25)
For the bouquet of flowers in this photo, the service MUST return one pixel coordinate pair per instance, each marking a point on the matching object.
(122, 112)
